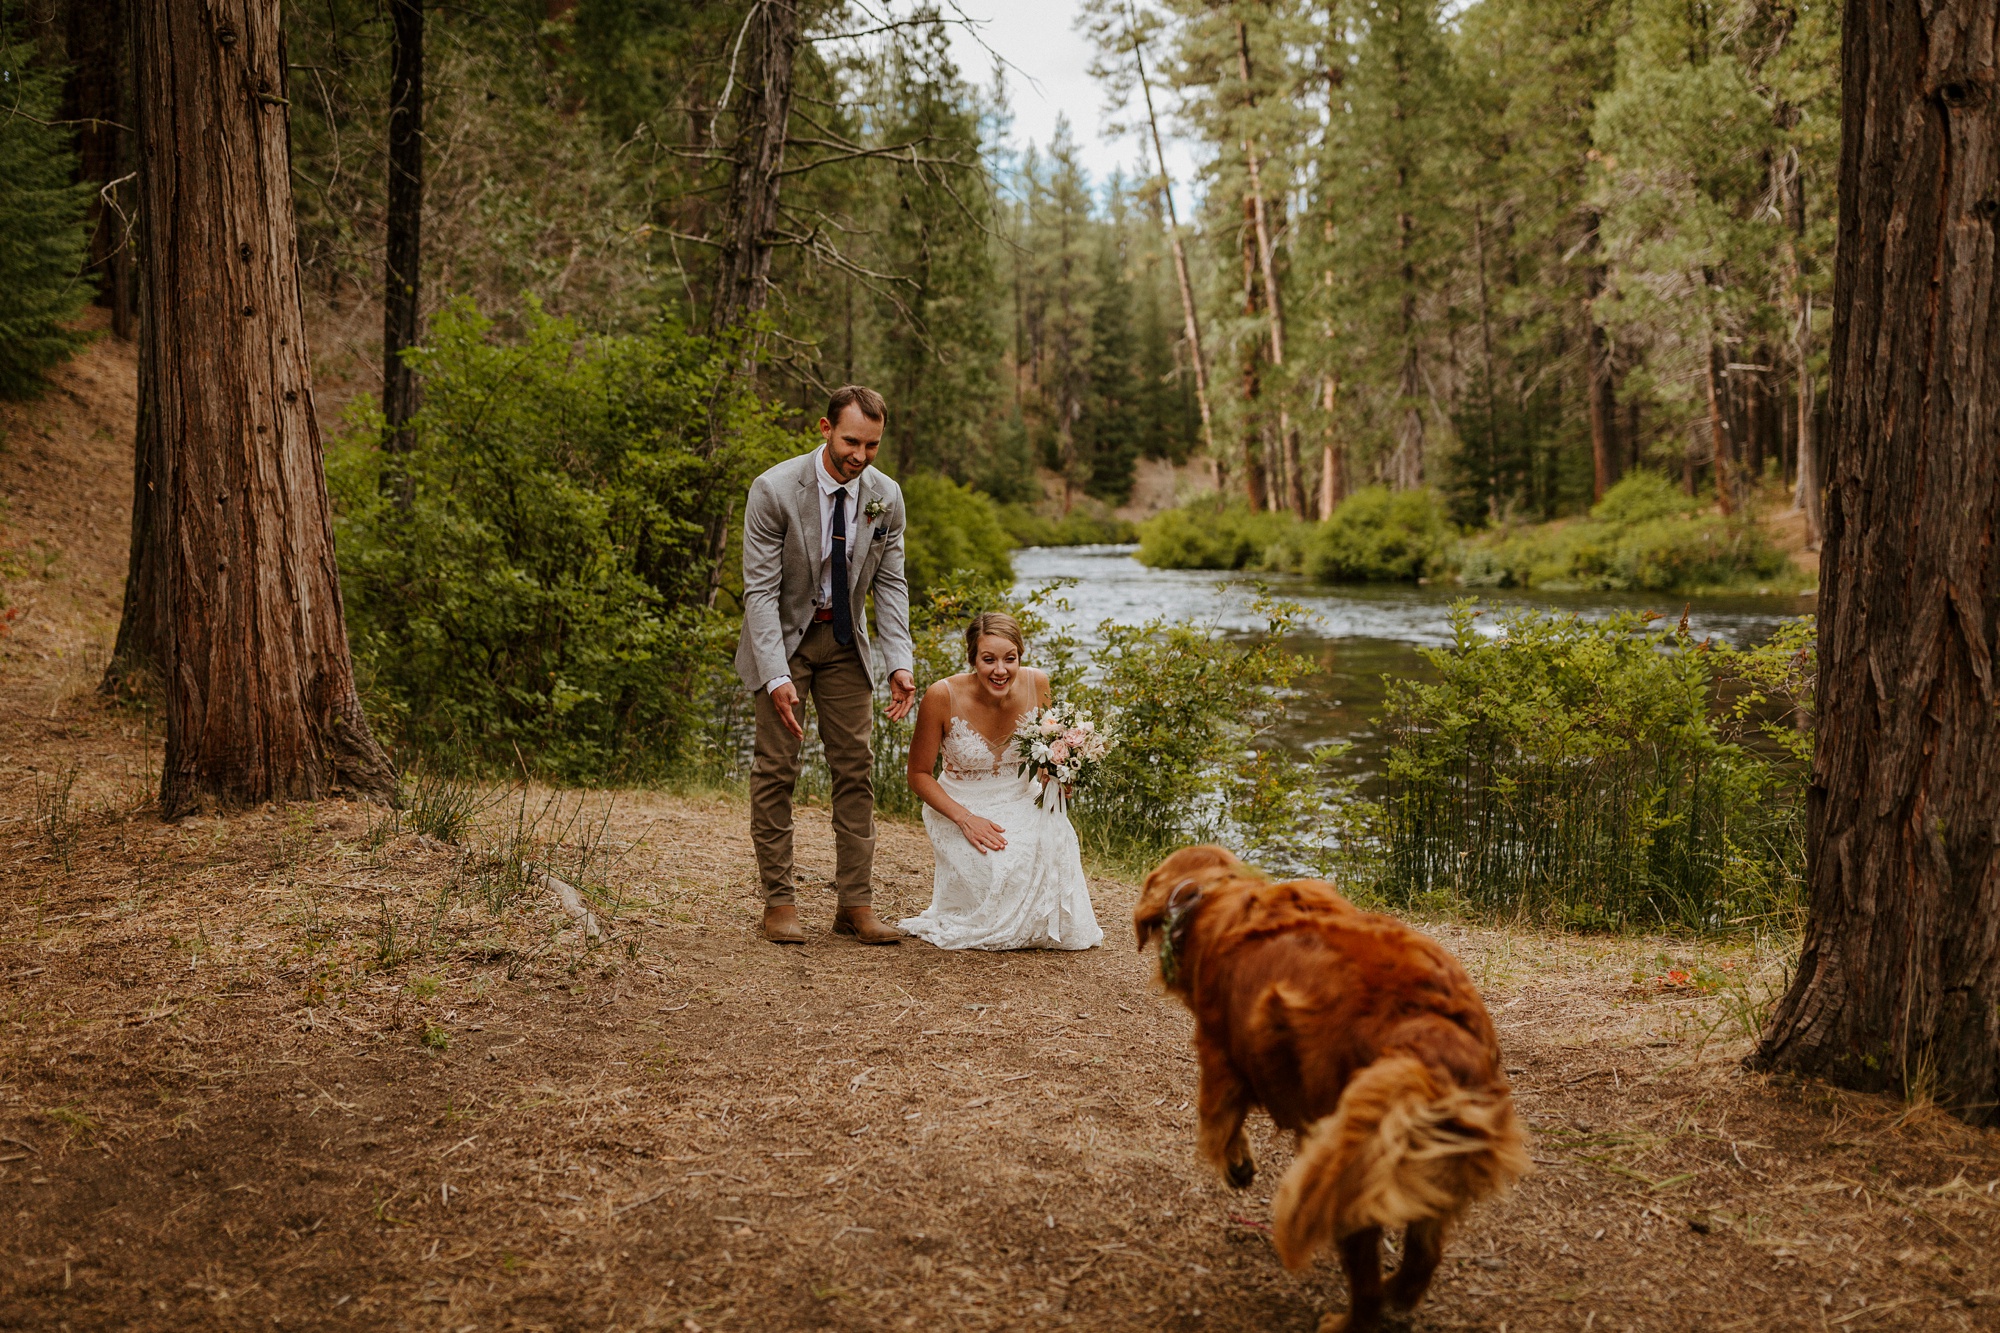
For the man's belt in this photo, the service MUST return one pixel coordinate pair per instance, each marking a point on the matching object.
(823, 613)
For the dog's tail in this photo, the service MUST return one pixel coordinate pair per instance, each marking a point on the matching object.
(1402, 1146)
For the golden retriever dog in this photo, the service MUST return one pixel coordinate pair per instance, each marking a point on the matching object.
(1356, 1033)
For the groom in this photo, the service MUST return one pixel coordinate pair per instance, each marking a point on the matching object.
(821, 532)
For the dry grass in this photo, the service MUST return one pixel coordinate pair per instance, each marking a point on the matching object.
(308, 1066)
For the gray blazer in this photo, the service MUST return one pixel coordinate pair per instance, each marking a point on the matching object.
(781, 571)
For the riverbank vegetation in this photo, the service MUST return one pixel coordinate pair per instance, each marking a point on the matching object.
(1607, 774)
(1645, 535)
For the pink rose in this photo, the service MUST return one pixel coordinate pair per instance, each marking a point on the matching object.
(1059, 751)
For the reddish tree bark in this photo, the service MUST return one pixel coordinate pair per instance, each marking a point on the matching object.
(1603, 402)
(96, 99)
(139, 655)
(1898, 985)
(260, 688)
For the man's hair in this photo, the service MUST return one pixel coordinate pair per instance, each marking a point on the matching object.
(858, 396)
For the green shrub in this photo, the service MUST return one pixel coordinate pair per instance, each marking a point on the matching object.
(1079, 527)
(546, 591)
(1579, 771)
(1641, 496)
(952, 529)
(43, 236)
(1377, 535)
(1205, 534)
(1644, 535)
(1193, 713)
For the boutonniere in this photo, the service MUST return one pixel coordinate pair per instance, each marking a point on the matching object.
(874, 509)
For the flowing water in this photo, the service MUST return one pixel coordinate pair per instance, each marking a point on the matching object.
(1356, 635)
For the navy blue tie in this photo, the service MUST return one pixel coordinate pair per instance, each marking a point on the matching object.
(843, 613)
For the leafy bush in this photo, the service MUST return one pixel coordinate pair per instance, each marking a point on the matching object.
(1377, 535)
(1079, 527)
(1643, 535)
(42, 231)
(951, 528)
(1642, 496)
(1194, 712)
(1206, 534)
(1575, 770)
(547, 587)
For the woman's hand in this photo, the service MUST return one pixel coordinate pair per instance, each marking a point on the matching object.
(984, 834)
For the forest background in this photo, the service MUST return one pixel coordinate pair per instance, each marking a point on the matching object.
(1486, 258)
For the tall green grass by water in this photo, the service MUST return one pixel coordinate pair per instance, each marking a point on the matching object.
(1609, 774)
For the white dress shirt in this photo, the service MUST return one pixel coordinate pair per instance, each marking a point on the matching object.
(827, 487)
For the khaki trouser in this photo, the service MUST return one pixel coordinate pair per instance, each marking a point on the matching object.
(833, 678)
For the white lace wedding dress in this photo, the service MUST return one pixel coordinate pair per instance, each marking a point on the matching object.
(1032, 894)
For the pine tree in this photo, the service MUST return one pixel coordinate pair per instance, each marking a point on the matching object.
(43, 235)
(1685, 147)
(1061, 305)
(940, 345)
(1386, 189)
(1110, 430)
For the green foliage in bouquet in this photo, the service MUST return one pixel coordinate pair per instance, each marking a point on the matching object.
(547, 587)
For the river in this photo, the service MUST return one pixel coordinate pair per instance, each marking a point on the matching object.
(1357, 635)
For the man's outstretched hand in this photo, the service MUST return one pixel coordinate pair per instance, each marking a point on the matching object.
(902, 694)
(786, 700)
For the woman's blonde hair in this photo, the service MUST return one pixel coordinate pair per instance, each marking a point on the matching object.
(998, 624)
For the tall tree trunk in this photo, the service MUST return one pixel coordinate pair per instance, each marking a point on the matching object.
(1486, 352)
(1332, 466)
(1274, 309)
(771, 38)
(97, 49)
(1722, 440)
(1597, 352)
(1898, 984)
(260, 688)
(1806, 490)
(1806, 486)
(1188, 316)
(405, 231)
(138, 658)
(1254, 487)
(1252, 381)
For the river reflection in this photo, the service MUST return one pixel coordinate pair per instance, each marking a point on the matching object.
(1356, 635)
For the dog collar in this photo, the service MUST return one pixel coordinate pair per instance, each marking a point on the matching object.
(1170, 932)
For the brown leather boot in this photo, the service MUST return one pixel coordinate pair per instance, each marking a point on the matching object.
(781, 924)
(862, 923)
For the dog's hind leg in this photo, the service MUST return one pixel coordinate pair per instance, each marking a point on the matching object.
(1223, 1102)
(1423, 1248)
(1361, 1258)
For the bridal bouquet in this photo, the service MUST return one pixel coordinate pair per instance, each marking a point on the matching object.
(1063, 744)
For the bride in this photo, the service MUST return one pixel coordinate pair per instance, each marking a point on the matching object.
(1009, 875)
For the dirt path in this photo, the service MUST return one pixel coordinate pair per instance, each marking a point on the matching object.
(297, 1067)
